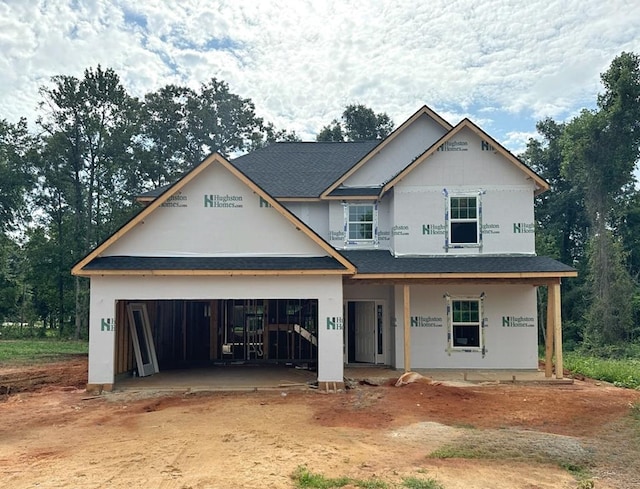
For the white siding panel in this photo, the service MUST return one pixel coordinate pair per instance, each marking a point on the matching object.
(510, 333)
(464, 162)
(420, 225)
(413, 141)
(313, 214)
(215, 215)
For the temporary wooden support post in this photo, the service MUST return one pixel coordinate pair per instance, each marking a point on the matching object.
(548, 358)
(407, 328)
(554, 297)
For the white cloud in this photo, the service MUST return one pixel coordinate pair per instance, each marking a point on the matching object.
(301, 62)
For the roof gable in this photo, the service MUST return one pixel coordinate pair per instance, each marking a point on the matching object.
(541, 184)
(168, 206)
(423, 111)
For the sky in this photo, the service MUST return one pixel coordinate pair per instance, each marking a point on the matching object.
(505, 64)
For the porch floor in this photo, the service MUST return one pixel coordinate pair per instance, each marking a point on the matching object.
(250, 378)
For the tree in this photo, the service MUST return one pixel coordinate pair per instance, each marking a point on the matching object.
(221, 121)
(600, 150)
(16, 146)
(562, 225)
(88, 173)
(359, 123)
(180, 126)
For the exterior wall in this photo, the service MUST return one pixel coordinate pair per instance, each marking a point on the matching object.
(313, 214)
(469, 166)
(216, 214)
(509, 345)
(105, 291)
(413, 141)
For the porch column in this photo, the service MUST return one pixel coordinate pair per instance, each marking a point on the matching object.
(554, 301)
(550, 332)
(407, 328)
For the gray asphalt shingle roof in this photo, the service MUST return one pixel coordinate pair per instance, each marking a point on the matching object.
(133, 263)
(381, 261)
(366, 262)
(301, 169)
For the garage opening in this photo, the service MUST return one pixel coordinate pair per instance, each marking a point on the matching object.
(198, 333)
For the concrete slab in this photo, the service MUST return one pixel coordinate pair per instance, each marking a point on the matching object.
(270, 377)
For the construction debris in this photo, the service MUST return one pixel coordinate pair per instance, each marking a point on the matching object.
(411, 377)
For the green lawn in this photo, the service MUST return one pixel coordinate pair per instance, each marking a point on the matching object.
(39, 350)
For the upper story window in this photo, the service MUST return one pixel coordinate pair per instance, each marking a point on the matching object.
(463, 223)
(463, 219)
(361, 224)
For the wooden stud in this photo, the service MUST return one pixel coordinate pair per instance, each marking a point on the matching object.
(407, 327)
(213, 330)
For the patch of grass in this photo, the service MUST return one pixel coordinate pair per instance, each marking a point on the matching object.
(581, 474)
(620, 372)
(456, 451)
(305, 479)
(372, 484)
(415, 483)
(517, 445)
(23, 351)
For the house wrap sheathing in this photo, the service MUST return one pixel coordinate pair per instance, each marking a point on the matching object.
(417, 251)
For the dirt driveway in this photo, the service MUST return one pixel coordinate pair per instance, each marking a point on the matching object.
(53, 434)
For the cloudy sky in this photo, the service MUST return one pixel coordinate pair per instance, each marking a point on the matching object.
(503, 63)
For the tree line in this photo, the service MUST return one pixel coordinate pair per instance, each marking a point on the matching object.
(68, 185)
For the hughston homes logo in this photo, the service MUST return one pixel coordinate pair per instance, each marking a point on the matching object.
(223, 201)
(518, 322)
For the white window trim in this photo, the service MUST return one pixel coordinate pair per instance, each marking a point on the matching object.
(369, 243)
(481, 324)
(448, 245)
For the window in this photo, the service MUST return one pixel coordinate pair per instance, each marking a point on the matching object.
(360, 223)
(464, 220)
(466, 324)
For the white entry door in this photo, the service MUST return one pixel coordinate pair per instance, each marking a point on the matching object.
(365, 332)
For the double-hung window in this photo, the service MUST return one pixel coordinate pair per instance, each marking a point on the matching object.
(464, 228)
(466, 323)
(361, 224)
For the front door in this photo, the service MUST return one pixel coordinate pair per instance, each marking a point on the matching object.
(365, 331)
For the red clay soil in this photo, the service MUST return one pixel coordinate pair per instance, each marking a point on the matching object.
(53, 434)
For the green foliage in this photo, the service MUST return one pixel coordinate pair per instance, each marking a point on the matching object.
(303, 478)
(359, 123)
(415, 483)
(38, 350)
(306, 479)
(609, 317)
(16, 153)
(624, 372)
(456, 451)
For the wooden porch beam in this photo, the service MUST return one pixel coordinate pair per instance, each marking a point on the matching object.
(554, 298)
(407, 327)
(550, 332)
